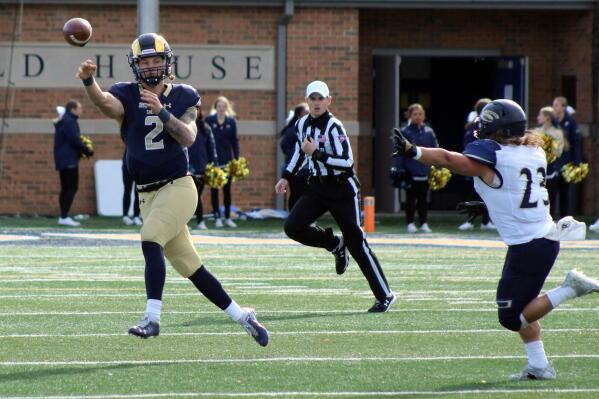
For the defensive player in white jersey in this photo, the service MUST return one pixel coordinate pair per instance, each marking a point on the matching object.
(510, 168)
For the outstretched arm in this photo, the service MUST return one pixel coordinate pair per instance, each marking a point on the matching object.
(440, 157)
(106, 102)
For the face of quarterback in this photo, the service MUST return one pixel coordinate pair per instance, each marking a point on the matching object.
(318, 104)
(151, 66)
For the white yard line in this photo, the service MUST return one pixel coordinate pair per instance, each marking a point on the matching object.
(303, 359)
(368, 394)
(312, 332)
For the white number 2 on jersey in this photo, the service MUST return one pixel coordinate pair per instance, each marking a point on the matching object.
(150, 144)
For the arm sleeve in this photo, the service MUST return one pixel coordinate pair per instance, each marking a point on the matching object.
(575, 138)
(483, 151)
(298, 158)
(211, 144)
(235, 142)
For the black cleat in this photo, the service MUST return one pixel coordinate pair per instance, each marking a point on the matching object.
(341, 257)
(383, 306)
(146, 328)
(254, 328)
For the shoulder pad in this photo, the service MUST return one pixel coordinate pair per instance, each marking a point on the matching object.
(483, 151)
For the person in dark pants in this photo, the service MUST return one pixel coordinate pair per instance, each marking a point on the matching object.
(509, 170)
(559, 189)
(332, 187)
(415, 173)
(299, 181)
(67, 151)
(201, 152)
(129, 184)
(224, 128)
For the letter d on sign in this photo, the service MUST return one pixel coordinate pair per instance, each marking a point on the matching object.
(369, 214)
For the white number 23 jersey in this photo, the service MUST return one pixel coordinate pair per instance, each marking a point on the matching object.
(517, 201)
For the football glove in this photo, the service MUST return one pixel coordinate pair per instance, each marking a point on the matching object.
(401, 146)
(472, 208)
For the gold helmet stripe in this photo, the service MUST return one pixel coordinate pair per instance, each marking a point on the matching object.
(136, 48)
(159, 43)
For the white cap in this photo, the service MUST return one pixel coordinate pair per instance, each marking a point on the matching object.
(317, 87)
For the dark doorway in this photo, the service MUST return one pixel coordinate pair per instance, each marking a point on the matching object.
(447, 88)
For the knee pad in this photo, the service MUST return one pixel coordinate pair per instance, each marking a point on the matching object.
(508, 316)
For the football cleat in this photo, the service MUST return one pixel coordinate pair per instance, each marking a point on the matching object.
(580, 283)
(533, 373)
(146, 328)
(341, 257)
(384, 305)
(253, 327)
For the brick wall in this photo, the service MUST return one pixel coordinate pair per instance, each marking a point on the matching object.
(334, 45)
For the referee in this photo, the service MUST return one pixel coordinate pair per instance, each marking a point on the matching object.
(333, 187)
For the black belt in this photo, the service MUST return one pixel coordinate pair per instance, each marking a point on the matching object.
(342, 178)
(146, 188)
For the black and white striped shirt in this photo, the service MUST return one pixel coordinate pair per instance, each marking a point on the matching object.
(333, 156)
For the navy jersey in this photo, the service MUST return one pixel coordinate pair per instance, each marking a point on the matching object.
(152, 153)
(225, 136)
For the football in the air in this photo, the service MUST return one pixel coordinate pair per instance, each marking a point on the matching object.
(77, 31)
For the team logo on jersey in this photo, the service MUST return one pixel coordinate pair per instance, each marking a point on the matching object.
(142, 106)
(167, 105)
(342, 138)
(489, 115)
(321, 139)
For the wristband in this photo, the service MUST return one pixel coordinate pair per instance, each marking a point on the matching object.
(418, 153)
(164, 115)
(88, 81)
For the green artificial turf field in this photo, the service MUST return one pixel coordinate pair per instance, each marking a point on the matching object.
(67, 301)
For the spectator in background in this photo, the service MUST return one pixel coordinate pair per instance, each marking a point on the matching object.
(129, 184)
(413, 172)
(571, 153)
(67, 151)
(469, 137)
(546, 120)
(223, 125)
(201, 153)
(299, 181)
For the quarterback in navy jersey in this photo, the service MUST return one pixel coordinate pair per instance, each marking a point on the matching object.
(158, 123)
(509, 167)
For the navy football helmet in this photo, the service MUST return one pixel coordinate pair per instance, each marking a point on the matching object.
(150, 45)
(504, 115)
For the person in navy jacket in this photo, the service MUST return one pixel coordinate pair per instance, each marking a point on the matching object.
(224, 127)
(413, 172)
(67, 151)
(201, 153)
(558, 188)
(299, 181)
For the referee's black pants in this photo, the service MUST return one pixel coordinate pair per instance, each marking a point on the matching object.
(341, 198)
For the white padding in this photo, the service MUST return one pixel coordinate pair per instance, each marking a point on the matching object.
(109, 187)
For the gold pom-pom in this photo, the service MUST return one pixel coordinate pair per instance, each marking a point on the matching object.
(214, 176)
(438, 178)
(87, 142)
(575, 174)
(237, 169)
(550, 147)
